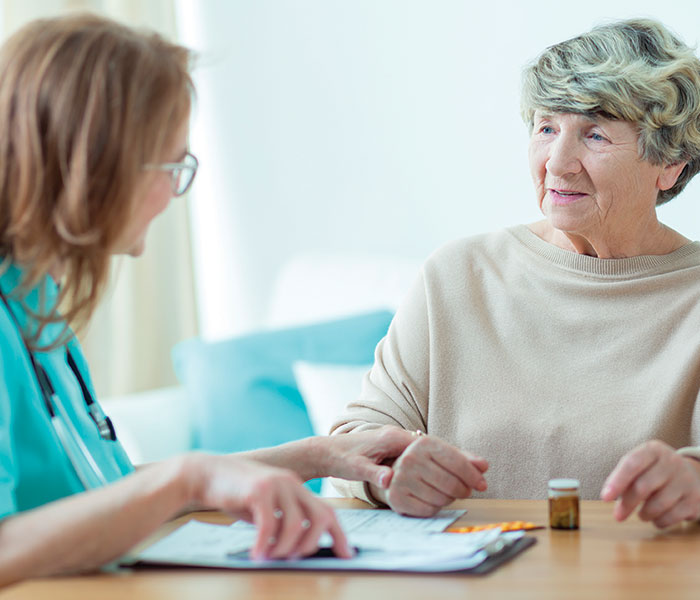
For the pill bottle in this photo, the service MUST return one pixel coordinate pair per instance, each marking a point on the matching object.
(563, 503)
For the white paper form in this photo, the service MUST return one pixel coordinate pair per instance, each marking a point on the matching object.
(385, 542)
(385, 521)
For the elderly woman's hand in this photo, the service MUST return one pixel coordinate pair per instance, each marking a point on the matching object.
(665, 483)
(429, 475)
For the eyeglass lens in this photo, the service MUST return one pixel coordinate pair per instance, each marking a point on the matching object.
(183, 176)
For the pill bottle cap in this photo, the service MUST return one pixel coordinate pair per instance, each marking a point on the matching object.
(564, 484)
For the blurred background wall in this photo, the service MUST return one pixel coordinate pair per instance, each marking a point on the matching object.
(374, 126)
(382, 127)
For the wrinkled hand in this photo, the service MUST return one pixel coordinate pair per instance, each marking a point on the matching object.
(665, 484)
(431, 474)
(358, 456)
(289, 518)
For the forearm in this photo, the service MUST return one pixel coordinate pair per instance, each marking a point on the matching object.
(308, 457)
(85, 531)
(359, 457)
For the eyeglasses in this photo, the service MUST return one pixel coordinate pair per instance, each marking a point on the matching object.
(181, 174)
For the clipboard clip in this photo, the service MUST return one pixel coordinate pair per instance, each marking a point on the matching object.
(500, 551)
(500, 545)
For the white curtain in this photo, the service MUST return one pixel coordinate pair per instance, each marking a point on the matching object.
(150, 304)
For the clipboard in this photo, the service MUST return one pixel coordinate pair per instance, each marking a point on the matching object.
(312, 564)
(383, 541)
(497, 559)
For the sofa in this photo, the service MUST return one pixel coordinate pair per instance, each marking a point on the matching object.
(287, 380)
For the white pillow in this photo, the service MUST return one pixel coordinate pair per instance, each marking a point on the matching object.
(152, 425)
(327, 390)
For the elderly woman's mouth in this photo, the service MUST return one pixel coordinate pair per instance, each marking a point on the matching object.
(564, 196)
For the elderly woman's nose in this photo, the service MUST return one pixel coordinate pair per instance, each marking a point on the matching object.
(563, 157)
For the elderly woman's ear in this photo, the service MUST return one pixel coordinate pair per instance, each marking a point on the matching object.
(669, 175)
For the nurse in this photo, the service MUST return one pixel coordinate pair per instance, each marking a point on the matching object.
(93, 145)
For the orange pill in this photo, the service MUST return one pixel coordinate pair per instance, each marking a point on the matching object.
(504, 526)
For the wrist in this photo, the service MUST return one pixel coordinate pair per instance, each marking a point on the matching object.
(691, 454)
(376, 495)
(695, 463)
(189, 478)
(314, 457)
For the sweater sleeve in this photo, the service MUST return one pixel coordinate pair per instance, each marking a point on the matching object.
(395, 391)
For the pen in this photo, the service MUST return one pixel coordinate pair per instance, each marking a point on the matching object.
(325, 552)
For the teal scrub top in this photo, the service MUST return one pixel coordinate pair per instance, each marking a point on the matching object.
(34, 468)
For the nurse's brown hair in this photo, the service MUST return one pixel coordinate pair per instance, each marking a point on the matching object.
(85, 103)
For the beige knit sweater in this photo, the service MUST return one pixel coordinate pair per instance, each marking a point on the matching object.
(546, 362)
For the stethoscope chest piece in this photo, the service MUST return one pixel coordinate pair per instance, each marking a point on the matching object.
(103, 422)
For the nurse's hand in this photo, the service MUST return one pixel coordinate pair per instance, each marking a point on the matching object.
(429, 475)
(362, 455)
(665, 484)
(289, 518)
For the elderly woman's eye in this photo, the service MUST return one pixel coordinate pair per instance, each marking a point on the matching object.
(596, 137)
(546, 129)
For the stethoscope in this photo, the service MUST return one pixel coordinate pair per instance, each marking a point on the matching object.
(73, 444)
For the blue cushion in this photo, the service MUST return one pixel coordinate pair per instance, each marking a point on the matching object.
(242, 391)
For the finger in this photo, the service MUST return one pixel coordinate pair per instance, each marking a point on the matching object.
(444, 481)
(409, 504)
(410, 493)
(314, 527)
(627, 470)
(418, 473)
(457, 463)
(341, 548)
(394, 440)
(479, 462)
(379, 475)
(262, 514)
(291, 526)
(425, 493)
(685, 509)
(660, 503)
(447, 458)
(655, 478)
(322, 518)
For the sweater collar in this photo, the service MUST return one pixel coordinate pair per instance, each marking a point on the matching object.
(632, 266)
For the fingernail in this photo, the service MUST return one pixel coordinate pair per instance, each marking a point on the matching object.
(605, 492)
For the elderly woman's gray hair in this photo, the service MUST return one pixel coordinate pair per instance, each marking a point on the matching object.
(633, 70)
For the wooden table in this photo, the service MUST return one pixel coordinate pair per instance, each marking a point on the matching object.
(604, 559)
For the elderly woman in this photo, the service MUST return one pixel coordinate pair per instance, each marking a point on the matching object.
(93, 146)
(569, 347)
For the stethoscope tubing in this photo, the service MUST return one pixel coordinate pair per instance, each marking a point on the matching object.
(62, 425)
(67, 433)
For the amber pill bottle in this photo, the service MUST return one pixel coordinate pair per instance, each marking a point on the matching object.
(563, 503)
